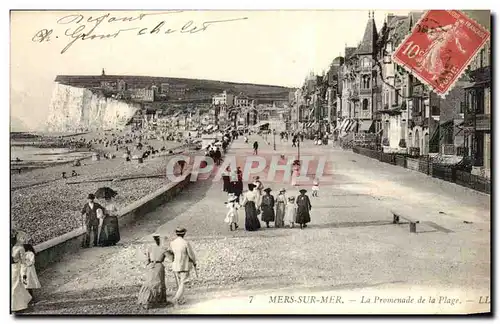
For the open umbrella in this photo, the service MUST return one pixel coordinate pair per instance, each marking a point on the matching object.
(105, 192)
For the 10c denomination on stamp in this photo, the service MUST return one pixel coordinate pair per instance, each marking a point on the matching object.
(440, 47)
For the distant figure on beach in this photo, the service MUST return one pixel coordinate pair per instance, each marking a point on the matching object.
(63, 175)
(255, 147)
(73, 173)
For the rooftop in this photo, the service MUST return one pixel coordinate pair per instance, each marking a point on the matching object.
(367, 45)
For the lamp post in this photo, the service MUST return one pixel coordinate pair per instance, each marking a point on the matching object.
(298, 148)
(274, 139)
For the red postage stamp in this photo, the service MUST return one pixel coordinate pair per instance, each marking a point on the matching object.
(440, 47)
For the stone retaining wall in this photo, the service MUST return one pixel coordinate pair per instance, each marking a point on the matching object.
(412, 164)
(53, 250)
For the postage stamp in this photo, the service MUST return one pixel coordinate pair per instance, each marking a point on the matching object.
(440, 47)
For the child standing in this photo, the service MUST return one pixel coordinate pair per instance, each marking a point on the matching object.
(232, 213)
(28, 271)
(315, 188)
(291, 212)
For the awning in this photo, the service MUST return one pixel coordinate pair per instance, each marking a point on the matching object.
(351, 126)
(337, 127)
(365, 125)
(479, 84)
(345, 124)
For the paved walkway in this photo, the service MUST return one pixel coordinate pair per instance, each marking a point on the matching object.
(350, 243)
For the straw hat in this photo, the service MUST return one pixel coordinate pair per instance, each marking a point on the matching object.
(180, 230)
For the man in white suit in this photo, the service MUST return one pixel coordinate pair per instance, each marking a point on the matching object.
(184, 261)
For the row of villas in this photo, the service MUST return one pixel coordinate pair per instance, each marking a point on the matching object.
(228, 99)
(366, 94)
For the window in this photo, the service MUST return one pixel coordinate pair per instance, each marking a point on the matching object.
(366, 82)
(435, 111)
(366, 62)
(396, 97)
(365, 104)
(462, 107)
(481, 58)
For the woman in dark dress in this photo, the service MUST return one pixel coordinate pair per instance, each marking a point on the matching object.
(303, 208)
(252, 223)
(267, 207)
(110, 233)
(226, 180)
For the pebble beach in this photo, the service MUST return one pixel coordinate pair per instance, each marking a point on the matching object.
(46, 206)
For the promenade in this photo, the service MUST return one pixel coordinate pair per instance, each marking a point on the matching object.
(350, 247)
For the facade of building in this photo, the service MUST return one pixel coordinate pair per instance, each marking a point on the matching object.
(145, 95)
(122, 85)
(333, 93)
(360, 90)
(241, 100)
(223, 98)
(395, 111)
(477, 119)
(175, 91)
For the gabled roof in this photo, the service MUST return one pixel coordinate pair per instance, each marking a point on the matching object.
(367, 45)
(400, 26)
(349, 52)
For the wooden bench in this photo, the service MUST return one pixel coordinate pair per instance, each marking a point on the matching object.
(397, 214)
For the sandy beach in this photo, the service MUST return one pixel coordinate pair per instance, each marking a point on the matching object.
(45, 205)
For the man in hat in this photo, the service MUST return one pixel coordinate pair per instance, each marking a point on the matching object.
(303, 208)
(184, 261)
(90, 220)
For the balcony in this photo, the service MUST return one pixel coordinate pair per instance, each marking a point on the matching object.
(482, 122)
(481, 75)
(353, 94)
(366, 91)
(418, 120)
(448, 149)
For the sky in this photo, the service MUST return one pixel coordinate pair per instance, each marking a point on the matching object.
(264, 47)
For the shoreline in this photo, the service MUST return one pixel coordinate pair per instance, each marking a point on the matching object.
(45, 205)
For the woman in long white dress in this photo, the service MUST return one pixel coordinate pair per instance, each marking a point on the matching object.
(232, 213)
(259, 187)
(19, 295)
(28, 270)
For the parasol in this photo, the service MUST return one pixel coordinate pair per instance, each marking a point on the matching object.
(105, 192)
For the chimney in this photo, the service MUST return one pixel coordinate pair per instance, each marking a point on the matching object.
(389, 18)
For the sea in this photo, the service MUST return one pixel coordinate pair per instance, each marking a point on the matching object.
(28, 152)
(40, 154)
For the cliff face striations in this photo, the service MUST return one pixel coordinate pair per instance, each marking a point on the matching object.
(75, 109)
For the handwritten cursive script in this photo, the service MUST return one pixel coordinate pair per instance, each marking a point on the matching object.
(81, 28)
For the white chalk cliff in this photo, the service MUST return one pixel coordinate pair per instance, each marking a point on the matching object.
(75, 109)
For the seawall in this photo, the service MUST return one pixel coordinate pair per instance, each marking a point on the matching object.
(53, 250)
